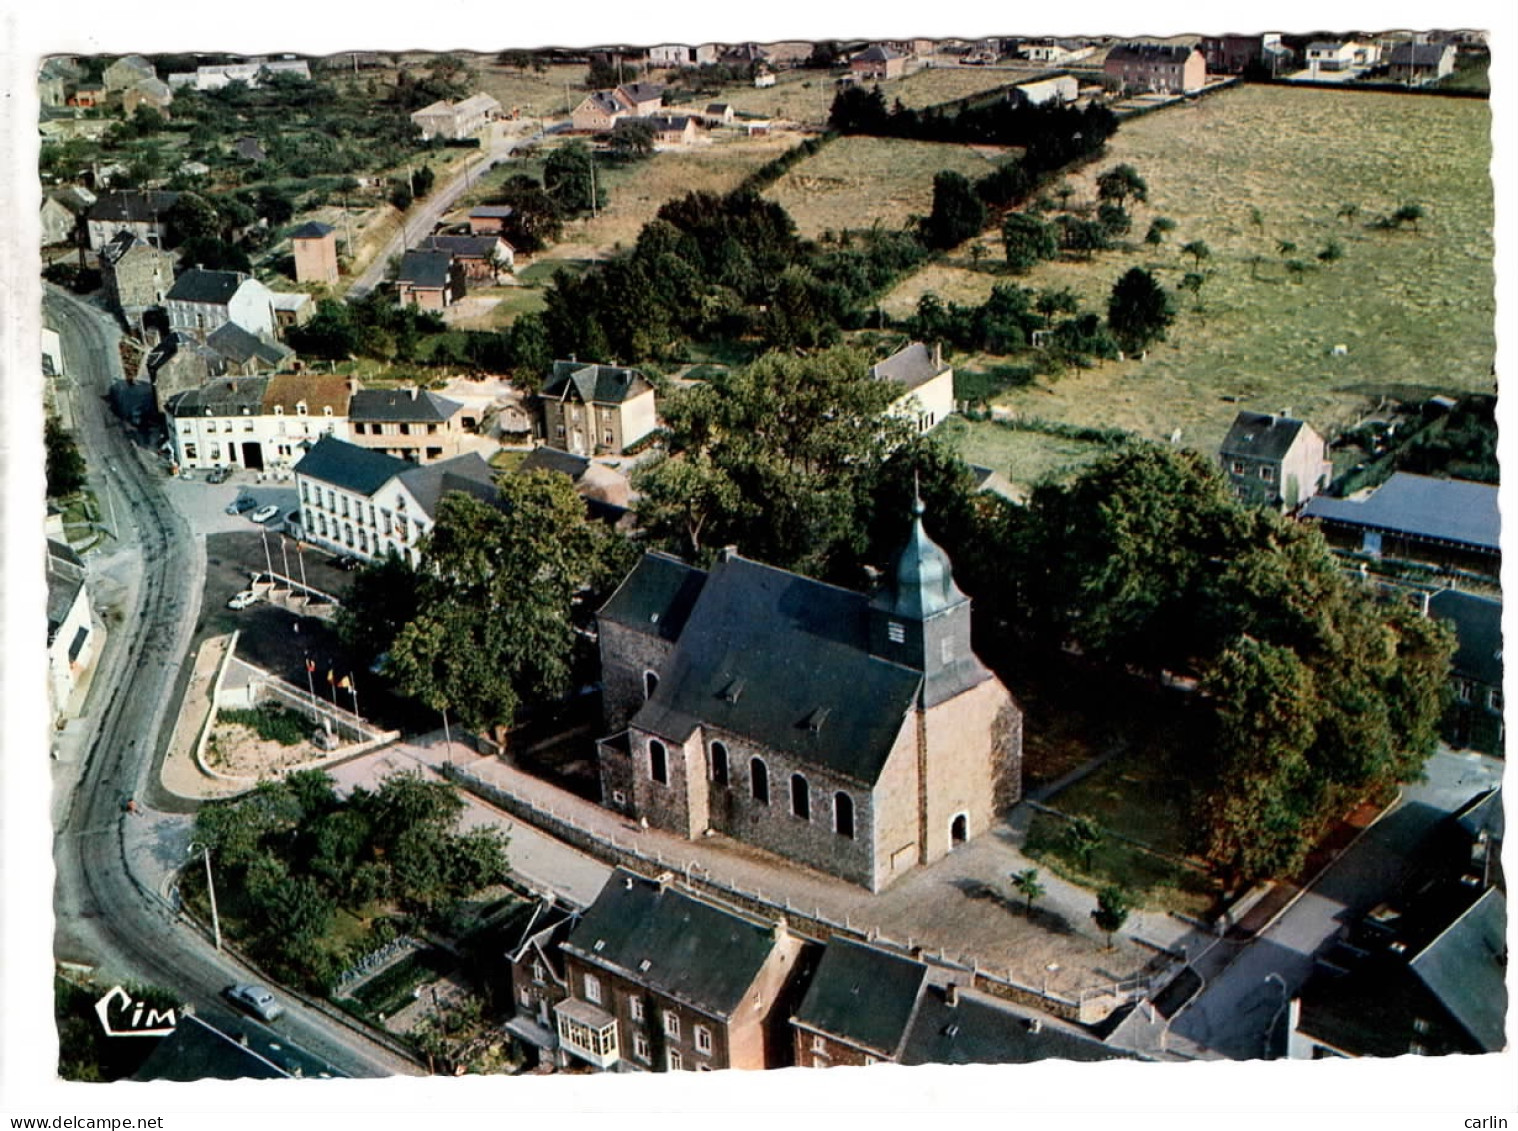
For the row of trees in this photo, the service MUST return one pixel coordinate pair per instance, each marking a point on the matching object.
(289, 853)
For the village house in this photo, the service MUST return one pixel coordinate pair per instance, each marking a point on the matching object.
(315, 247)
(136, 276)
(53, 79)
(1420, 63)
(606, 491)
(642, 99)
(680, 55)
(368, 504)
(718, 114)
(1450, 522)
(430, 279)
(253, 73)
(674, 129)
(202, 301)
(245, 354)
(1057, 90)
(138, 212)
(855, 734)
(489, 219)
(127, 71)
(663, 981)
(71, 638)
(1156, 68)
(1054, 51)
(291, 308)
(1234, 54)
(878, 62)
(456, 120)
(538, 979)
(597, 112)
(1473, 719)
(61, 215)
(596, 409)
(257, 423)
(88, 96)
(483, 259)
(411, 424)
(181, 362)
(1272, 460)
(926, 383)
(868, 1005)
(154, 94)
(1337, 55)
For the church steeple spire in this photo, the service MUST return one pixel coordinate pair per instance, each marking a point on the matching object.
(921, 578)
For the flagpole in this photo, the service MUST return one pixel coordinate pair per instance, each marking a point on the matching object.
(353, 691)
(315, 702)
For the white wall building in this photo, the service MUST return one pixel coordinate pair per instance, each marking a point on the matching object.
(201, 300)
(926, 383)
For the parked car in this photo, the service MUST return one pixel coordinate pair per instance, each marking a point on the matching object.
(345, 562)
(264, 514)
(242, 600)
(219, 475)
(241, 504)
(257, 1000)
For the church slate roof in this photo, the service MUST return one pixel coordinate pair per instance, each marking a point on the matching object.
(1258, 435)
(656, 597)
(783, 661)
(595, 384)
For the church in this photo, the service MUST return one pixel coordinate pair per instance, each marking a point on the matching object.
(856, 734)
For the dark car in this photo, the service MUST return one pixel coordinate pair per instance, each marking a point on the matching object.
(345, 562)
(219, 475)
(241, 505)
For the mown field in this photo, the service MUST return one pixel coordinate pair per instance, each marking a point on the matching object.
(1025, 458)
(1414, 309)
(856, 182)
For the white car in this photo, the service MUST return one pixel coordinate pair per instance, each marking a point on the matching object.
(257, 1000)
(264, 514)
(242, 600)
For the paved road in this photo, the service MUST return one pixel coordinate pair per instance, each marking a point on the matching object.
(109, 908)
(1242, 1009)
(421, 220)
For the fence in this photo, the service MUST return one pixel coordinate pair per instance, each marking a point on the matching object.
(810, 923)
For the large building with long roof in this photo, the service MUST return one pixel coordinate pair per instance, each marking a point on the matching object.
(854, 734)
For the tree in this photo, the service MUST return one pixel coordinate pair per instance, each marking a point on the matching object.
(1198, 250)
(214, 254)
(1113, 905)
(958, 213)
(633, 139)
(1158, 228)
(1139, 310)
(1028, 240)
(1120, 183)
(569, 179)
(496, 626)
(678, 496)
(381, 600)
(1192, 281)
(1052, 301)
(422, 181)
(1084, 836)
(1114, 220)
(1331, 253)
(1257, 218)
(1083, 237)
(191, 216)
(1348, 212)
(65, 466)
(1408, 214)
(1028, 885)
(1297, 269)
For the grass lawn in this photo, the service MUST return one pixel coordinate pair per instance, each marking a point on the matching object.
(1415, 309)
(859, 181)
(507, 459)
(1155, 882)
(1025, 458)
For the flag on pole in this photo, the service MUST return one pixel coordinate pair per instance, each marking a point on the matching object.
(310, 665)
(346, 683)
(329, 675)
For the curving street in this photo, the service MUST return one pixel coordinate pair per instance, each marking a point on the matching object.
(111, 911)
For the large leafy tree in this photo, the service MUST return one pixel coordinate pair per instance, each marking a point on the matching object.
(1120, 184)
(65, 466)
(569, 178)
(1139, 310)
(958, 213)
(1028, 240)
(497, 600)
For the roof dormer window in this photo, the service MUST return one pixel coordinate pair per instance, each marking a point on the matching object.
(279, 410)
(300, 408)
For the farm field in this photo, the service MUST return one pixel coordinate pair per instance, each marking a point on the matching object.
(856, 182)
(1414, 309)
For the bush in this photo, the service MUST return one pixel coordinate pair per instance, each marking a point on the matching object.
(272, 723)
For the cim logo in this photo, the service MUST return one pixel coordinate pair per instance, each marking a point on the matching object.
(120, 1016)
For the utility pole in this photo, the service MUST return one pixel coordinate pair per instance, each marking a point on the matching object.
(593, 210)
(211, 888)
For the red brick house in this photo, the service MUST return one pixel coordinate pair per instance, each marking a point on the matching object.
(878, 62)
(431, 279)
(660, 980)
(538, 983)
(1157, 68)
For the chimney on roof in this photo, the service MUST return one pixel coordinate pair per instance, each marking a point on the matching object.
(415, 391)
(627, 882)
(1035, 1025)
(951, 995)
(727, 553)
